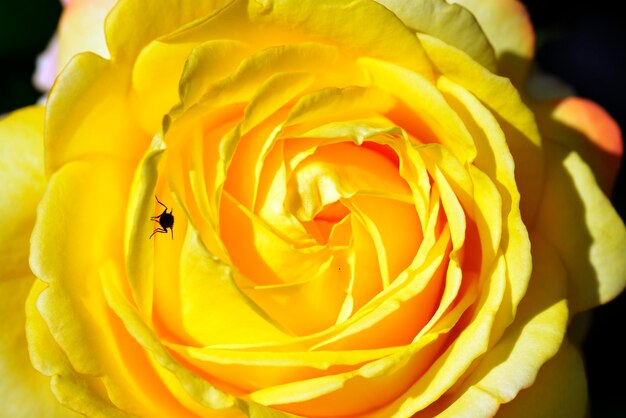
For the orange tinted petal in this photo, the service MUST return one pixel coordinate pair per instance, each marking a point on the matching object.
(587, 128)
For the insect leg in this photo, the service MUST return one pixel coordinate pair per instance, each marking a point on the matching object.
(160, 202)
(160, 230)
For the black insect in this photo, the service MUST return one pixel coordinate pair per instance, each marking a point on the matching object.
(166, 220)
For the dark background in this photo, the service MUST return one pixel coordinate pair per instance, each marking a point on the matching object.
(582, 43)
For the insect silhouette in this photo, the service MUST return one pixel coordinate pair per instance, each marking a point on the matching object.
(166, 220)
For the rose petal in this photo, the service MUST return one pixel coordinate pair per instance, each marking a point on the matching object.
(593, 251)
(509, 30)
(542, 317)
(496, 161)
(427, 102)
(158, 64)
(85, 101)
(56, 264)
(24, 390)
(515, 119)
(22, 185)
(562, 378)
(79, 199)
(254, 70)
(385, 36)
(512, 364)
(257, 133)
(21, 169)
(583, 126)
(139, 252)
(81, 29)
(126, 36)
(451, 23)
(207, 63)
(217, 312)
(445, 368)
(205, 396)
(79, 392)
(255, 369)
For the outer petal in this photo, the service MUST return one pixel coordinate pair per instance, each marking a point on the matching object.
(560, 390)
(76, 391)
(21, 186)
(89, 101)
(214, 403)
(511, 364)
(25, 392)
(81, 29)
(450, 23)
(536, 334)
(92, 372)
(385, 36)
(507, 26)
(23, 181)
(579, 220)
(515, 119)
(278, 22)
(585, 127)
(126, 35)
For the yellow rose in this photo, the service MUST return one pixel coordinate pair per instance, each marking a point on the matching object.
(368, 218)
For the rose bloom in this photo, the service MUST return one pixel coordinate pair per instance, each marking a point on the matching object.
(370, 217)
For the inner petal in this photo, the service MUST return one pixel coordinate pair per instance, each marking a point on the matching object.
(260, 252)
(340, 171)
(325, 221)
